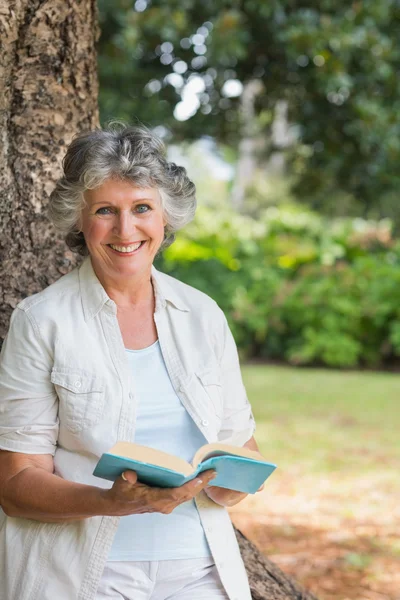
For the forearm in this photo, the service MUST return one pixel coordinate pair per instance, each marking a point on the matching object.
(36, 494)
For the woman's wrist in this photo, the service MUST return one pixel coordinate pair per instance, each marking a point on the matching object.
(104, 505)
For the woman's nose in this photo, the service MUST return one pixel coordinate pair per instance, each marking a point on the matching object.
(125, 225)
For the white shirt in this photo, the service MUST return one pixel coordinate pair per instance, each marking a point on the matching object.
(163, 423)
(66, 390)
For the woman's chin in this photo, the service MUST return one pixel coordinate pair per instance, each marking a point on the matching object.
(130, 268)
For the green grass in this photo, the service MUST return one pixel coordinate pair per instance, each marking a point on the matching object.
(327, 421)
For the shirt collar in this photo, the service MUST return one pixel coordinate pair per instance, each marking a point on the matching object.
(94, 296)
(164, 291)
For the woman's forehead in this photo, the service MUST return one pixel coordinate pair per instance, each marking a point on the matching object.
(114, 190)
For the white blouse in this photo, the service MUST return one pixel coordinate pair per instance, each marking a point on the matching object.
(66, 390)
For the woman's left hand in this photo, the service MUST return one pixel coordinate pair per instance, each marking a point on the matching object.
(226, 497)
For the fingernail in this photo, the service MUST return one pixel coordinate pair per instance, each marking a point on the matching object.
(123, 477)
(198, 482)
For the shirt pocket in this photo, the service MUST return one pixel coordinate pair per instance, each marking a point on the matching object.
(81, 398)
(210, 379)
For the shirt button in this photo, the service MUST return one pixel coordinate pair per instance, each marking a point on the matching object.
(205, 423)
(78, 384)
(131, 395)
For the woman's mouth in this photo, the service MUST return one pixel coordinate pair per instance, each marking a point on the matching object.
(131, 249)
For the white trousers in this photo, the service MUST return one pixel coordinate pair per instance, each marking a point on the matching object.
(187, 579)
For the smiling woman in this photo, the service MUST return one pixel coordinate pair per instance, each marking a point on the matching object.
(123, 226)
(131, 154)
(117, 351)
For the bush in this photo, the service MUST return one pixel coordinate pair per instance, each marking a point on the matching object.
(295, 287)
(344, 315)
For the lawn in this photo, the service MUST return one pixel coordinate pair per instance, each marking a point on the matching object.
(330, 513)
(326, 421)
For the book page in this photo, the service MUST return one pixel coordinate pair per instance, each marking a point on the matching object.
(151, 456)
(219, 449)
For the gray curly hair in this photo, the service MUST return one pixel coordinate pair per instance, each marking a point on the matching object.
(121, 152)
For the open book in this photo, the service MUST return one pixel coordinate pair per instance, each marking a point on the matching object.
(237, 468)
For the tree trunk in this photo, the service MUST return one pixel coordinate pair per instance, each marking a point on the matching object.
(48, 92)
(246, 163)
(267, 581)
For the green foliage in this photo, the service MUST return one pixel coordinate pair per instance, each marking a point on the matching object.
(295, 286)
(335, 63)
(342, 315)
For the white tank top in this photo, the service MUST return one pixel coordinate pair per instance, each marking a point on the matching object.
(162, 423)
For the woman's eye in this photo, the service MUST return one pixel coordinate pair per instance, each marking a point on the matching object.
(142, 208)
(105, 210)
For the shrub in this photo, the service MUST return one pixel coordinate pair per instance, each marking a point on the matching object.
(295, 287)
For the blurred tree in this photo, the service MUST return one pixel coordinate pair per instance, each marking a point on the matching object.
(183, 64)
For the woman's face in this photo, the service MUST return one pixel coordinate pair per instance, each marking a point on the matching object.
(123, 227)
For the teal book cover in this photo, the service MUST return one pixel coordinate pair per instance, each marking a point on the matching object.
(233, 472)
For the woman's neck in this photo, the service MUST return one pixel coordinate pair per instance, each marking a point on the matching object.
(127, 292)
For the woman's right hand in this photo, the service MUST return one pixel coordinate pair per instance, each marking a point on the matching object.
(127, 496)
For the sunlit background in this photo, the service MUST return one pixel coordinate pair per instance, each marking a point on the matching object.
(287, 118)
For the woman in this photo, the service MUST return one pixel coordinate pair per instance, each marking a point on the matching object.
(117, 351)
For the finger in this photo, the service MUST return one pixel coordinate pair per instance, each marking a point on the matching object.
(208, 475)
(191, 488)
(202, 480)
(260, 489)
(129, 477)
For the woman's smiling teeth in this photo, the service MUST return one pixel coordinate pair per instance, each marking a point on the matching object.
(131, 248)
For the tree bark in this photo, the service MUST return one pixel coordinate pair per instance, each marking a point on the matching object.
(267, 581)
(48, 93)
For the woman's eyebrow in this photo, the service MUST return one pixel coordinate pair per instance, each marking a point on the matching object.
(133, 202)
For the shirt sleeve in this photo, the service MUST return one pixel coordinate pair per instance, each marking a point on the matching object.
(238, 423)
(28, 402)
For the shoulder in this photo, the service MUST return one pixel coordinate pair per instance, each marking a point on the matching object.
(186, 296)
(52, 299)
